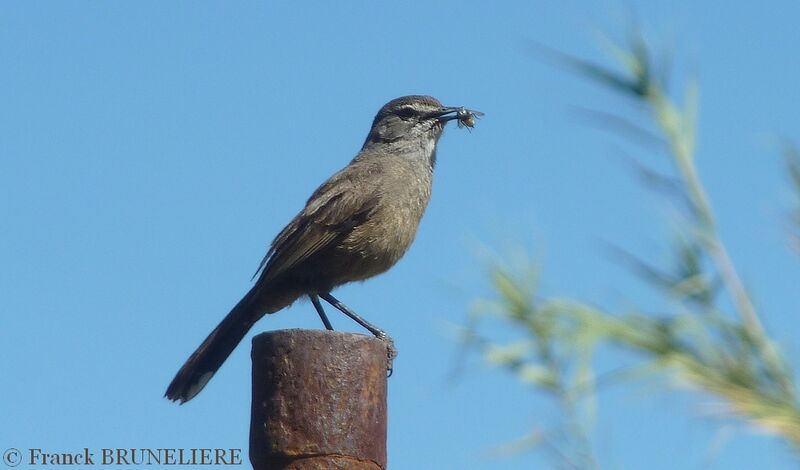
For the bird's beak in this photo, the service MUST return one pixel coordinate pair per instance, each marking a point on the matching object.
(447, 113)
(466, 117)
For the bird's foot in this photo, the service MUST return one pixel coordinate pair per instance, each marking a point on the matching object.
(391, 351)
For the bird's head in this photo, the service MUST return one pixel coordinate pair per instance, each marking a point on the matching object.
(415, 120)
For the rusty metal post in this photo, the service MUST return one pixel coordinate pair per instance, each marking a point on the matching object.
(319, 401)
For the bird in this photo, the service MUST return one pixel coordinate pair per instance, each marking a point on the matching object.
(355, 225)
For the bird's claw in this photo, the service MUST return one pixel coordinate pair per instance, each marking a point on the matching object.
(391, 351)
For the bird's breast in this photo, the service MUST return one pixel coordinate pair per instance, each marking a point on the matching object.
(389, 231)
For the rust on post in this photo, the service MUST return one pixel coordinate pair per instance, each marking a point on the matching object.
(319, 401)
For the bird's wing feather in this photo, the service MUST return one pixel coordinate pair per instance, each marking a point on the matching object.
(330, 215)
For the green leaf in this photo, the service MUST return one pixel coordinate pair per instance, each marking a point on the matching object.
(538, 375)
(509, 354)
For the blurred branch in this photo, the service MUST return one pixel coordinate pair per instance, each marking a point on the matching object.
(792, 155)
(697, 345)
(540, 362)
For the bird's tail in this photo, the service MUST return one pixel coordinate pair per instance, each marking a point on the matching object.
(209, 356)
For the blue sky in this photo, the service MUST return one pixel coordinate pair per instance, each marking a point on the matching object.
(149, 152)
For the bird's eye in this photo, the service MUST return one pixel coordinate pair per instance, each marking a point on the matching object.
(405, 112)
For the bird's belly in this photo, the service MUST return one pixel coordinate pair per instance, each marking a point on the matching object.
(376, 245)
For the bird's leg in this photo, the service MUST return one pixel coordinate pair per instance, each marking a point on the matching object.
(327, 297)
(380, 334)
(320, 311)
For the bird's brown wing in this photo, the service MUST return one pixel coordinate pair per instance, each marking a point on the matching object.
(339, 205)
